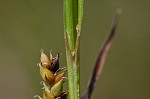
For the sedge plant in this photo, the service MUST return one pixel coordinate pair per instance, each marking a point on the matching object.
(49, 66)
(73, 13)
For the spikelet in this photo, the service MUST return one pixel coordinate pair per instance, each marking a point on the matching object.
(52, 76)
(45, 61)
(46, 92)
(57, 88)
(59, 76)
(46, 75)
(55, 64)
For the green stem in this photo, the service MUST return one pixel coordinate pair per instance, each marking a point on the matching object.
(73, 12)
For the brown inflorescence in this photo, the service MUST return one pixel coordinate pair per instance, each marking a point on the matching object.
(53, 77)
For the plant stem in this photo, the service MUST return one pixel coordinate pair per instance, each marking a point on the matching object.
(73, 12)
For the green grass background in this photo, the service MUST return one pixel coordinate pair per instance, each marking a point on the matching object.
(26, 26)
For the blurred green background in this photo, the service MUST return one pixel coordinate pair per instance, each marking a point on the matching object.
(26, 26)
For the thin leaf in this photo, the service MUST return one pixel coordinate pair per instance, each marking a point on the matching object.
(102, 57)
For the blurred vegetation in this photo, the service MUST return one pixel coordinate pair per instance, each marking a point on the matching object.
(26, 26)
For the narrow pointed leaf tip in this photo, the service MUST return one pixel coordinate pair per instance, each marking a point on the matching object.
(102, 57)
